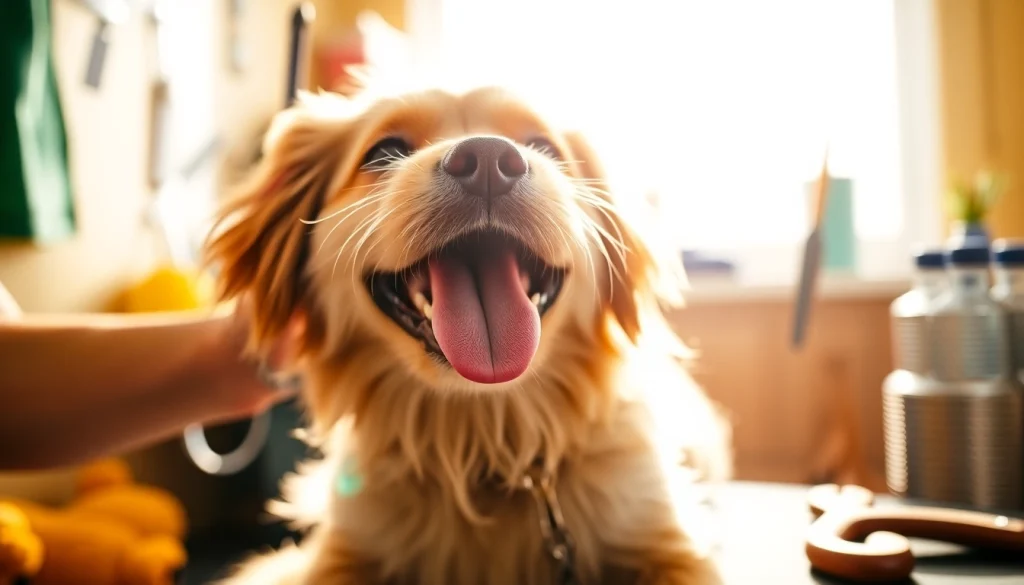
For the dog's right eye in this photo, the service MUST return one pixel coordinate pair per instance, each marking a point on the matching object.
(386, 152)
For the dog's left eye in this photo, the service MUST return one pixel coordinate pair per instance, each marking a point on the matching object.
(386, 152)
(544, 146)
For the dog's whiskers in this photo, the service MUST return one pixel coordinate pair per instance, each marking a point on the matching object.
(366, 226)
(588, 233)
(372, 187)
(365, 222)
(391, 161)
(370, 230)
(599, 236)
(606, 209)
(359, 205)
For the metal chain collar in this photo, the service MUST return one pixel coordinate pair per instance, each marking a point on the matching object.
(557, 540)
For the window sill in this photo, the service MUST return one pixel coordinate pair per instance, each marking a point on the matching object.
(705, 290)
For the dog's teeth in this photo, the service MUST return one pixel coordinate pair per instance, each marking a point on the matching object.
(423, 305)
(421, 302)
(535, 299)
(417, 285)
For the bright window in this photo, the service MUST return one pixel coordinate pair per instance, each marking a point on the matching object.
(724, 107)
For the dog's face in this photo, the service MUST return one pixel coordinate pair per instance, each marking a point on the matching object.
(462, 236)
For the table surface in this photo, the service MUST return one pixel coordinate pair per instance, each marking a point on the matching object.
(760, 530)
(762, 535)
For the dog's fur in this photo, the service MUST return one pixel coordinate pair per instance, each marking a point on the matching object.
(606, 404)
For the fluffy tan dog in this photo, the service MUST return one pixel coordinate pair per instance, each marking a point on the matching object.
(485, 356)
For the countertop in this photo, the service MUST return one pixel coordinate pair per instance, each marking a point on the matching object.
(759, 531)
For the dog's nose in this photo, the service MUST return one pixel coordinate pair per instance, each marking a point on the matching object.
(487, 166)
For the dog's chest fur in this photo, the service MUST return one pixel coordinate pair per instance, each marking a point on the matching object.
(413, 531)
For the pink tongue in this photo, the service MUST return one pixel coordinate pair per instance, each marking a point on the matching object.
(483, 321)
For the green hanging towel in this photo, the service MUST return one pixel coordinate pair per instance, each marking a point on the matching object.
(35, 190)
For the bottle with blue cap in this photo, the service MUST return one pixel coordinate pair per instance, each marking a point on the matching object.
(1008, 291)
(910, 312)
(953, 434)
(968, 325)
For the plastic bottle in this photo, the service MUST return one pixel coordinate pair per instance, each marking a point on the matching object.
(909, 313)
(968, 338)
(1008, 291)
(954, 435)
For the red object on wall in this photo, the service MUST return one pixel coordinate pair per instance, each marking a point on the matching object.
(334, 57)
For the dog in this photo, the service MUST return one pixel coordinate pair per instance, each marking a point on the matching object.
(487, 371)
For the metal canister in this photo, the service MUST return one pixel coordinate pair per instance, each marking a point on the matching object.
(955, 442)
(954, 425)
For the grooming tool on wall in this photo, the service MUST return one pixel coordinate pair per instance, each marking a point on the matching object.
(852, 539)
(299, 51)
(299, 56)
(811, 259)
(194, 436)
(108, 12)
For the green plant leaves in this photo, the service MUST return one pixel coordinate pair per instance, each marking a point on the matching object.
(970, 201)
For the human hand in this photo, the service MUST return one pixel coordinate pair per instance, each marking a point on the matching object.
(249, 385)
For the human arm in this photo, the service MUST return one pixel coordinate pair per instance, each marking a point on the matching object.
(78, 387)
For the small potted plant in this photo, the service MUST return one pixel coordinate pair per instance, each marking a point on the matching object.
(969, 202)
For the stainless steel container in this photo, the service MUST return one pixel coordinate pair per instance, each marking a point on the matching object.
(955, 442)
(954, 415)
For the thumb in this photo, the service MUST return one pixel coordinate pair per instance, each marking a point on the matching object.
(285, 350)
(278, 369)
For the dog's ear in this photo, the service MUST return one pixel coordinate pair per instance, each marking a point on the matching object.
(260, 242)
(640, 277)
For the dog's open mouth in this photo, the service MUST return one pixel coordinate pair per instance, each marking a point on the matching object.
(476, 302)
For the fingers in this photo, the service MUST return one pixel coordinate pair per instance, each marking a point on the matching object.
(284, 350)
(276, 369)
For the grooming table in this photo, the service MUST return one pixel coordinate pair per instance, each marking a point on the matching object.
(760, 530)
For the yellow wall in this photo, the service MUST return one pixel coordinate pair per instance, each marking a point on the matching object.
(982, 70)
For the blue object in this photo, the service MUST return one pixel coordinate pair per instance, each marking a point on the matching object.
(971, 255)
(696, 262)
(931, 258)
(969, 235)
(839, 238)
(1006, 254)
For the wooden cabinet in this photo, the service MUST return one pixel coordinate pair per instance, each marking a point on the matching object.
(799, 416)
